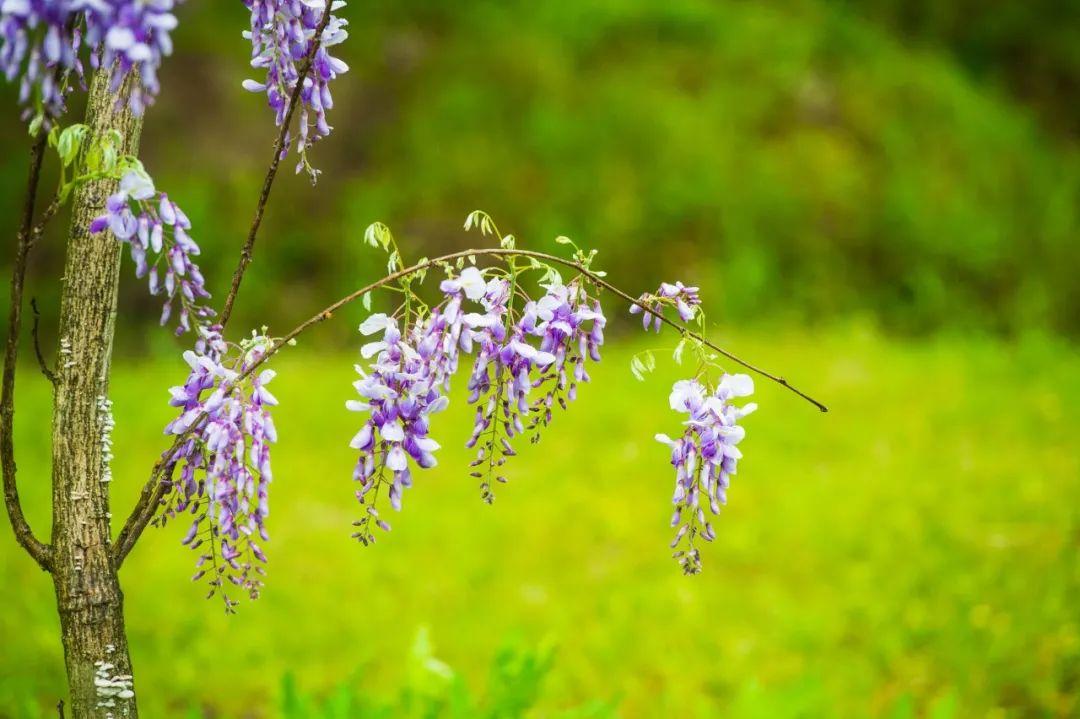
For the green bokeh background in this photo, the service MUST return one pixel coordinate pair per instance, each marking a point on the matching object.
(878, 198)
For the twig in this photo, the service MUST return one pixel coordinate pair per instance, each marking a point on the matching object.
(23, 533)
(683, 330)
(271, 173)
(154, 489)
(49, 375)
(43, 221)
(60, 708)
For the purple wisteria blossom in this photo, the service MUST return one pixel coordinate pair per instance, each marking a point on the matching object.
(224, 463)
(685, 300)
(156, 230)
(42, 43)
(705, 457)
(545, 347)
(401, 389)
(570, 326)
(281, 35)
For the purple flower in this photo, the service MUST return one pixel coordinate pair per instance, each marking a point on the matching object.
(42, 41)
(705, 457)
(684, 299)
(224, 464)
(544, 347)
(281, 35)
(400, 390)
(508, 365)
(156, 230)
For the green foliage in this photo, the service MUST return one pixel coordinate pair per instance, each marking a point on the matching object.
(432, 690)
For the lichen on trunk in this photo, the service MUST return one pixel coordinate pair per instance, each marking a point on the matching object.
(89, 599)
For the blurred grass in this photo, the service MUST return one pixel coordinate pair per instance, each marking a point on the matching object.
(914, 549)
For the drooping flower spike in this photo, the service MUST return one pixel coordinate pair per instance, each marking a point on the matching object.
(281, 35)
(223, 465)
(156, 230)
(542, 347)
(400, 391)
(43, 42)
(705, 457)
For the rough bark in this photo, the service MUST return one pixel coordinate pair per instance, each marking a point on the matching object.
(89, 599)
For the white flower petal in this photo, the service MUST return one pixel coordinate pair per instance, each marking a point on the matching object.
(737, 385)
(374, 323)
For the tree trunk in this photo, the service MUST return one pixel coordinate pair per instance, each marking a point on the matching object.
(88, 595)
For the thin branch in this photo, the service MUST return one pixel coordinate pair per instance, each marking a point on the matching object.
(596, 279)
(271, 173)
(39, 551)
(49, 374)
(154, 489)
(50, 212)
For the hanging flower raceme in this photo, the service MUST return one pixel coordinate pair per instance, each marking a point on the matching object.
(224, 462)
(281, 35)
(571, 328)
(705, 457)
(42, 43)
(156, 230)
(509, 366)
(544, 347)
(133, 36)
(402, 387)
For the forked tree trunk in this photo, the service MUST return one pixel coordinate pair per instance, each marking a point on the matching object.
(88, 595)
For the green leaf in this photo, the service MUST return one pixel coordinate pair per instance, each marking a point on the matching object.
(378, 235)
(678, 353)
(365, 300)
(70, 142)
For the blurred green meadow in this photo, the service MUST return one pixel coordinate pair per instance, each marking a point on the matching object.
(880, 200)
(911, 553)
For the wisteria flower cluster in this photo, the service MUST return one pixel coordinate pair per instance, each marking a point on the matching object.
(281, 35)
(544, 346)
(42, 43)
(401, 391)
(156, 230)
(685, 300)
(508, 367)
(705, 457)
(224, 461)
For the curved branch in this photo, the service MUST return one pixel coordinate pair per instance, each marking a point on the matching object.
(593, 277)
(25, 536)
(271, 173)
(155, 489)
(49, 374)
